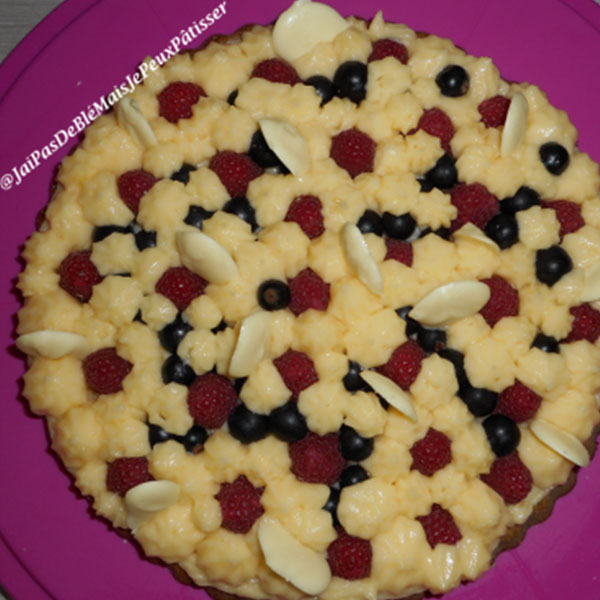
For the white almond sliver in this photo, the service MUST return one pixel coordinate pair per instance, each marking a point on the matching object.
(591, 283)
(390, 392)
(131, 118)
(251, 344)
(562, 442)
(472, 232)
(450, 302)
(287, 143)
(51, 344)
(515, 125)
(206, 257)
(304, 25)
(145, 500)
(360, 259)
(303, 567)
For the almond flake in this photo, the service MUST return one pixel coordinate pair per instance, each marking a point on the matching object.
(515, 125)
(206, 257)
(359, 257)
(390, 392)
(131, 118)
(145, 500)
(49, 343)
(287, 143)
(251, 345)
(562, 442)
(471, 232)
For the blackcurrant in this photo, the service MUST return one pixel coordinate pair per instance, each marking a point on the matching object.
(479, 401)
(431, 340)
(546, 343)
(352, 380)
(262, 155)
(503, 229)
(103, 231)
(241, 208)
(145, 239)
(287, 423)
(453, 81)
(551, 264)
(524, 198)
(370, 222)
(175, 370)
(194, 439)
(350, 81)
(247, 426)
(502, 433)
(332, 504)
(354, 446)
(323, 86)
(183, 174)
(157, 435)
(443, 175)
(232, 97)
(352, 475)
(554, 157)
(398, 226)
(197, 215)
(273, 294)
(170, 335)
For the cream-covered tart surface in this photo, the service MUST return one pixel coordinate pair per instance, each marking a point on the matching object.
(314, 311)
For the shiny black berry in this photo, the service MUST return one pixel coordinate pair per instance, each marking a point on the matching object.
(197, 215)
(443, 175)
(352, 475)
(354, 446)
(453, 81)
(332, 504)
(287, 423)
(479, 401)
(170, 335)
(458, 362)
(262, 155)
(240, 207)
(425, 185)
(399, 227)
(247, 426)
(222, 326)
(175, 370)
(524, 198)
(193, 440)
(232, 97)
(554, 157)
(323, 86)
(350, 81)
(370, 222)
(183, 175)
(443, 232)
(273, 294)
(503, 229)
(352, 380)
(431, 340)
(546, 343)
(503, 434)
(103, 231)
(145, 239)
(157, 435)
(551, 264)
(412, 327)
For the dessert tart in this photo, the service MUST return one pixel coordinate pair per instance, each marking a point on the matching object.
(313, 312)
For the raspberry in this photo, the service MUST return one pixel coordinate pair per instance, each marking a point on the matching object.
(78, 275)
(354, 151)
(297, 370)
(493, 111)
(387, 47)
(317, 459)
(509, 477)
(235, 171)
(440, 527)
(431, 453)
(133, 185)
(276, 71)
(518, 402)
(568, 215)
(104, 371)
(404, 364)
(211, 399)
(399, 250)
(306, 211)
(349, 557)
(240, 505)
(308, 290)
(474, 203)
(585, 325)
(180, 286)
(437, 123)
(127, 472)
(503, 302)
(176, 100)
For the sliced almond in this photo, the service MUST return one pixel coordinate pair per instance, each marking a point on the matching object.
(304, 25)
(515, 125)
(50, 343)
(287, 143)
(390, 392)
(206, 257)
(359, 257)
(251, 344)
(471, 232)
(591, 283)
(450, 302)
(562, 442)
(303, 567)
(131, 118)
(145, 500)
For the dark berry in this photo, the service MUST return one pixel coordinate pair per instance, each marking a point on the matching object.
(145, 239)
(458, 362)
(183, 174)
(157, 435)
(232, 97)
(443, 175)
(425, 185)
(354, 446)
(398, 226)
(175, 370)
(287, 423)
(247, 426)
(170, 335)
(554, 157)
(503, 434)
(262, 155)
(431, 340)
(222, 326)
(443, 232)
(370, 222)
(524, 198)
(352, 380)
(273, 294)
(352, 475)
(479, 401)
(412, 326)
(332, 504)
(551, 264)
(546, 343)
(194, 439)
(453, 81)
(103, 231)
(138, 317)
(323, 86)
(104, 370)
(197, 215)
(241, 207)
(350, 81)
(503, 229)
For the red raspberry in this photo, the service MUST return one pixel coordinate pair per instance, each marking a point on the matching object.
(104, 371)
(387, 47)
(585, 325)
(180, 286)
(568, 215)
(127, 472)
(317, 459)
(306, 211)
(78, 275)
(399, 250)
(518, 402)
(133, 185)
(509, 477)
(493, 111)
(431, 453)
(276, 71)
(176, 100)
(437, 123)
(240, 505)
(440, 527)
(404, 364)
(297, 370)
(354, 151)
(474, 203)
(503, 302)
(308, 290)
(349, 557)
(211, 399)
(235, 171)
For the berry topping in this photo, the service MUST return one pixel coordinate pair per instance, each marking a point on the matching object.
(247, 426)
(323, 86)
(399, 250)
(350, 81)
(443, 175)
(440, 527)
(157, 435)
(103, 231)
(352, 475)
(399, 227)
(180, 286)
(276, 70)
(546, 343)
(332, 504)
(235, 171)
(585, 325)
(503, 229)
(509, 477)
(78, 275)
(437, 123)
(241, 208)
(183, 174)
(474, 203)
(453, 81)
(211, 399)
(370, 222)
(518, 402)
(349, 557)
(240, 505)
(352, 380)
(554, 157)
(431, 340)
(524, 198)
(412, 327)
(232, 97)
(125, 473)
(503, 302)
(568, 215)
(307, 291)
(551, 264)
(493, 111)
(317, 459)
(479, 401)
(297, 370)
(404, 364)
(170, 335)
(387, 47)
(197, 215)
(354, 151)
(145, 239)
(176, 100)
(262, 155)
(431, 453)
(306, 211)
(104, 371)
(193, 440)
(502, 433)
(287, 423)
(354, 446)
(176, 370)
(273, 294)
